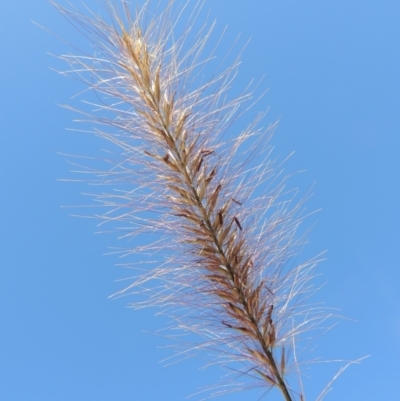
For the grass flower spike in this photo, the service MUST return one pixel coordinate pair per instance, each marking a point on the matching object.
(212, 202)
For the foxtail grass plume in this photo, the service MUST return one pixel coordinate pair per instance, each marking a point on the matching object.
(212, 202)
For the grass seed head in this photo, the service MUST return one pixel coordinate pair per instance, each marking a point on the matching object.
(223, 224)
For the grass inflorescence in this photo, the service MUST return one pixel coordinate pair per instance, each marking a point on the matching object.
(224, 225)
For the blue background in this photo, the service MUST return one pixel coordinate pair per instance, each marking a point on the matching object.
(332, 69)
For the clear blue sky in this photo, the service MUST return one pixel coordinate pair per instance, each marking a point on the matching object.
(332, 69)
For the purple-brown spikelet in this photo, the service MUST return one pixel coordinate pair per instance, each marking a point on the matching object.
(224, 224)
